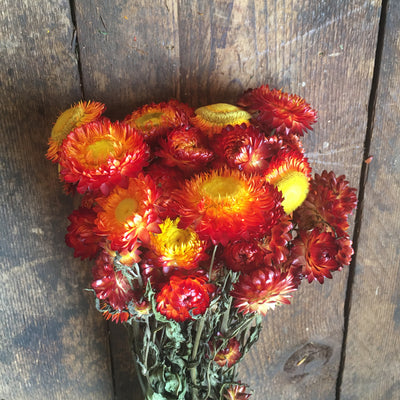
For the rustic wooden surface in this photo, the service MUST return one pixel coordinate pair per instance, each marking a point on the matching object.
(133, 52)
(53, 343)
(372, 353)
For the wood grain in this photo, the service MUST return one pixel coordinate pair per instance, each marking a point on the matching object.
(372, 352)
(53, 343)
(129, 52)
(325, 52)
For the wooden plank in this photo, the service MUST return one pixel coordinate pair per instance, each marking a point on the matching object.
(129, 52)
(372, 352)
(325, 52)
(53, 343)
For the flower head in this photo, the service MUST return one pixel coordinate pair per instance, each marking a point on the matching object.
(328, 204)
(229, 355)
(236, 392)
(78, 115)
(245, 148)
(243, 255)
(224, 205)
(175, 247)
(289, 172)
(128, 214)
(213, 118)
(111, 285)
(287, 113)
(154, 120)
(262, 289)
(183, 298)
(101, 155)
(319, 254)
(82, 235)
(185, 149)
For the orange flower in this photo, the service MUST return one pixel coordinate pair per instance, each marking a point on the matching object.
(319, 254)
(77, 115)
(111, 285)
(81, 234)
(224, 206)
(229, 355)
(128, 214)
(101, 155)
(262, 289)
(185, 149)
(175, 247)
(183, 298)
(213, 118)
(328, 204)
(287, 113)
(289, 172)
(154, 120)
(115, 315)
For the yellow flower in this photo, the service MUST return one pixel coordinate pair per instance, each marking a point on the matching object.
(175, 247)
(213, 118)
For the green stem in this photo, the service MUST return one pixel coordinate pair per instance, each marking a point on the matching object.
(193, 370)
(225, 318)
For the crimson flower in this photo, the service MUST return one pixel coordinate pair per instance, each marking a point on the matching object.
(185, 149)
(111, 285)
(183, 298)
(81, 234)
(287, 113)
(262, 289)
(319, 254)
(329, 202)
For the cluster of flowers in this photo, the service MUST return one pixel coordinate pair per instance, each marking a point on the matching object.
(173, 198)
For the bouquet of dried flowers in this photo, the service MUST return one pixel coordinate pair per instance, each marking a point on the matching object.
(199, 222)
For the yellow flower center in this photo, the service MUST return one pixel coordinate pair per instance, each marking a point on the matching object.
(294, 187)
(100, 151)
(177, 237)
(65, 123)
(149, 120)
(223, 114)
(220, 187)
(125, 209)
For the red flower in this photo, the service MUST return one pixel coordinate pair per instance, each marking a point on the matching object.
(275, 246)
(245, 148)
(154, 120)
(228, 355)
(100, 155)
(263, 289)
(111, 285)
(287, 113)
(319, 254)
(166, 179)
(224, 206)
(243, 255)
(185, 149)
(183, 298)
(81, 234)
(328, 204)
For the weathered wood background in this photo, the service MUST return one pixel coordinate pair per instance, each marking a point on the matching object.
(337, 341)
